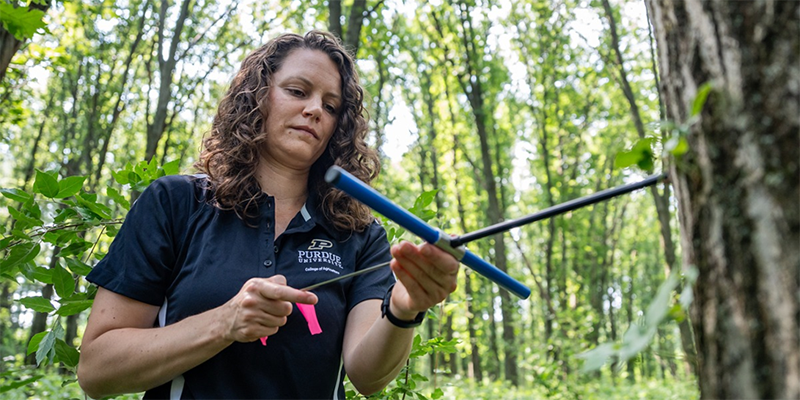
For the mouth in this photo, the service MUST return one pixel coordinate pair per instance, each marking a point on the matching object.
(307, 129)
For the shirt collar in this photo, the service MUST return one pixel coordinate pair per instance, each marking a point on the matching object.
(311, 215)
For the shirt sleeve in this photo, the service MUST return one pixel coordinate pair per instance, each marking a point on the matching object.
(372, 285)
(141, 259)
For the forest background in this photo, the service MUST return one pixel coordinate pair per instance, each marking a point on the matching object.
(482, 111)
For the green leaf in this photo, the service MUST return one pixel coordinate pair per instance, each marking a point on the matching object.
(32, 209)
(70, 186)
(112, 230)
(45, 184)
(67, 354)
(5, 242)
(33, 345)
(687, 297)
(596, 357)
(18, 384)
(64, 214)
(625, 159)
(120, 176)
(77, 247)
(71, 307)
(118, 198)
(89, 201)
(65, 238)
(701, 98)
(658, 308)
(37, 273)
(24, 219)
(425, 199)
(16, 195)
(437, 394)
(676, 145)
(22, 22)
(172, 167)
(77, 266)
(63, 282)
(58, 330)
(38, 304)
(641, 154)
(46, 348)
(19, 254)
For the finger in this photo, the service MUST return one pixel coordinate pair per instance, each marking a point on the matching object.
(442, 260)
(436, 264)
(275, 288)
(420, 287)
(407, 257)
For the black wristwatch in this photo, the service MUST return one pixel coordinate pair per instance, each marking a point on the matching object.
(385, 312)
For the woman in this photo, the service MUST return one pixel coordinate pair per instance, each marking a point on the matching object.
(207, 265)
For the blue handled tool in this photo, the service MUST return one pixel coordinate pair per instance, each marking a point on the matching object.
(351, 185)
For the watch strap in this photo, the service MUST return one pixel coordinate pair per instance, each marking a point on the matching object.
(386, 312)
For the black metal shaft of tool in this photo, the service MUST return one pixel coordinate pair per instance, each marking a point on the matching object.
(557, 209)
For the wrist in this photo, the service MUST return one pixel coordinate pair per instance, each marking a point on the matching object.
(405, 319)
(404, 315)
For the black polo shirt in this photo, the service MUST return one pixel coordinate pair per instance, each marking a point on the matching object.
(178, 252)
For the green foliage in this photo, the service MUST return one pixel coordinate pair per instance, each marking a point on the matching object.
(70, 215)
(589, 390)
(22, 22)
(23, 383)
(554, 117)
(639, 336)
(421, 208)
(641, 154)
(409, 384)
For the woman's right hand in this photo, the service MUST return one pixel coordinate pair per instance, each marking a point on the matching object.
(261, 307)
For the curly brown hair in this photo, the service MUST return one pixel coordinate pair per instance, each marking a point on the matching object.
(230, 152)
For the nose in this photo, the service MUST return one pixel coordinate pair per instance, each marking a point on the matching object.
(313, 107)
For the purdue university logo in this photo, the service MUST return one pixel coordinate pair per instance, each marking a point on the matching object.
(317, 255)
(319, 244)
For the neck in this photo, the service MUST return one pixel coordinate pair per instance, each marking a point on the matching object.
(284, 184)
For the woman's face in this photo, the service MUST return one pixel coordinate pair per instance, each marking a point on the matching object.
(304, 104)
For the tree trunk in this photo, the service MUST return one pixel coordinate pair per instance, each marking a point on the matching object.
(355, 21)
(738, 185)
(9, 45)
(495, 213)
(477, 371)
(166, 66)
(335, 17)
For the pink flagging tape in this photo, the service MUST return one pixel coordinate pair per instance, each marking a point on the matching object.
(310, 314)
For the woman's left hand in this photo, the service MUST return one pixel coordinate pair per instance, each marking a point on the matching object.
(426, 274)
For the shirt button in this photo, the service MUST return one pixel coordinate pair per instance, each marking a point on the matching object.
(268, 263)
(276, 249)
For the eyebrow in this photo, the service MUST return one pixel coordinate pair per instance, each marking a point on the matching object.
(309, 83)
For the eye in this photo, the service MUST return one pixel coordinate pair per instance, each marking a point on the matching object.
(295, 92)
(330, 108)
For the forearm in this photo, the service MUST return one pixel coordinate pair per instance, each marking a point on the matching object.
(130, 360)
(378, 357)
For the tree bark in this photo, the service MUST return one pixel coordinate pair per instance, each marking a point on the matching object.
(355, 21)
(166, 67)
(10, 45)
(738, 185)
(494, 212)
(477, 371)
(335, 17)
